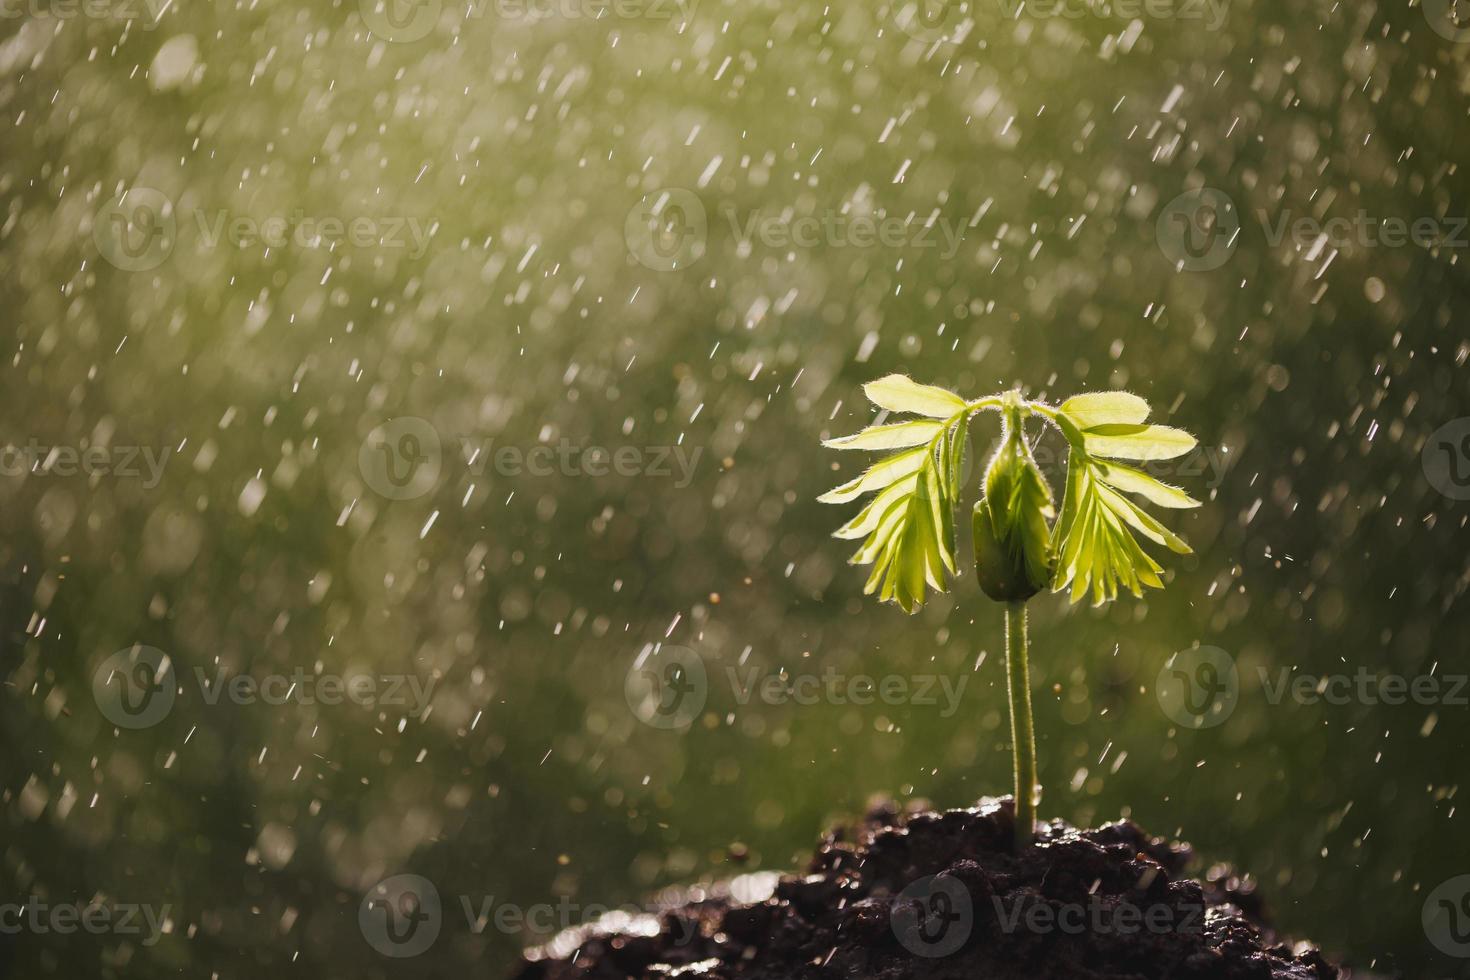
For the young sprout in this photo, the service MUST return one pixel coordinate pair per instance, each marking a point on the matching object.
(1022, 545)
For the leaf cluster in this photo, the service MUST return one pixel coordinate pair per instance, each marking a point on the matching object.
(907, 529)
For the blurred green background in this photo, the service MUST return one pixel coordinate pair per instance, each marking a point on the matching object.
(532, 311)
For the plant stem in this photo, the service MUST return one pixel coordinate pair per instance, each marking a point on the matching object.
(1023, 731)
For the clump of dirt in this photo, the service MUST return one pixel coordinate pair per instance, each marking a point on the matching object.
(930, 895)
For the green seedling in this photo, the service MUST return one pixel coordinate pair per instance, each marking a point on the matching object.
(1022, 544)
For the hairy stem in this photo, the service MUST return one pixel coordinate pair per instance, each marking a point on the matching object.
(1023, 732)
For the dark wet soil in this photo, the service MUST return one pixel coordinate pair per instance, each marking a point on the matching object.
(945, 895)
